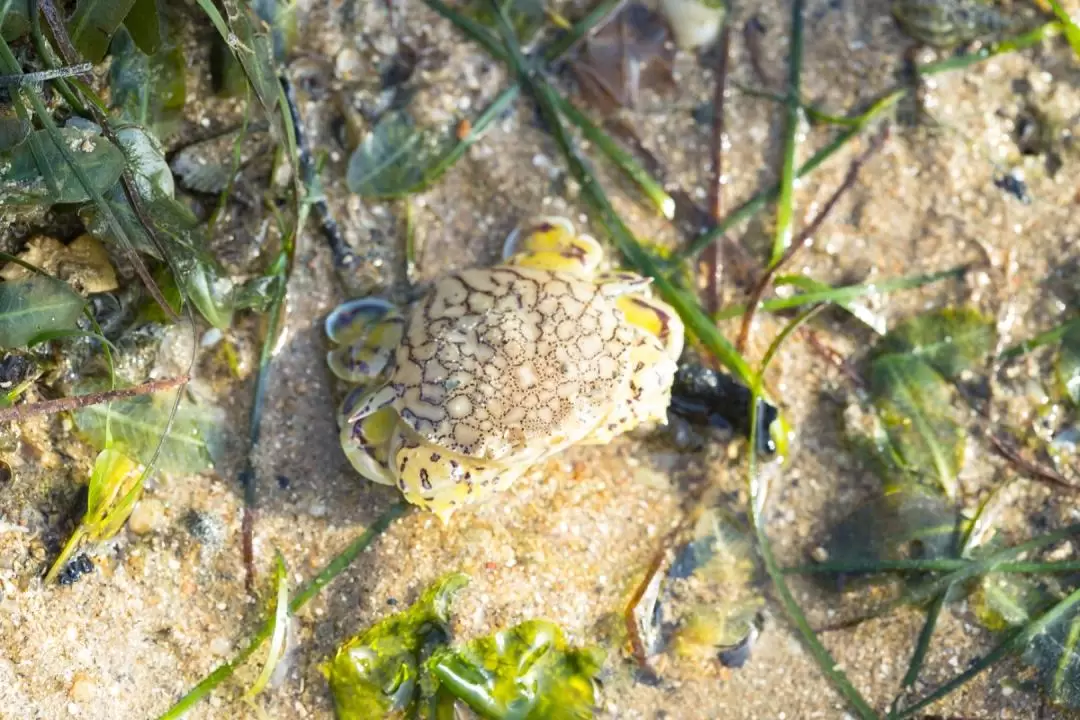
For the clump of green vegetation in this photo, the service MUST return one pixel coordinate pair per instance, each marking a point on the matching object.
(404, 664)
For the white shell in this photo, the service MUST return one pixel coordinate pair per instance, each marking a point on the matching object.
(693, 23)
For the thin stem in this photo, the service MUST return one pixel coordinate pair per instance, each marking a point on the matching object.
(714, 267)
(1032, 469)
(1020, 42)
(19, 413)
(758, 493)
(785, 202)
(844, 293)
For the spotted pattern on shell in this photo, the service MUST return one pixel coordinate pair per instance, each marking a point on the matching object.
(495, 361)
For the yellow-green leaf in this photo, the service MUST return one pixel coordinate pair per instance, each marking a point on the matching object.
(280, 612)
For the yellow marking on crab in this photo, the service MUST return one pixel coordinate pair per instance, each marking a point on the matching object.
(552, 244)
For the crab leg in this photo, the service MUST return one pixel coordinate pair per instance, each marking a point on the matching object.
(367, 426)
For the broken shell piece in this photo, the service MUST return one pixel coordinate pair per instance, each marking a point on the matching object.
(694, 23)
(84, 263)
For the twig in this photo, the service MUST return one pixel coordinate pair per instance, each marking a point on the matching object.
(344, 257)
(1032, 469)
(753, 36)
(637, 645)
(18, 413)
(59, 33)
(37, 78)
(804, 238)
(714, 266)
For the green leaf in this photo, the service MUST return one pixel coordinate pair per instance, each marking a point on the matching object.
(116, 483)
(1068, 362)
(526, 673)
(149, 90)
(378, 671)
(146, 23)
(195, 441)
(1054, 652)
(915, 405)
(16, 22)
(394, 159)
(951, 340)
(34, 305)
(35, 173)
(93, 25)
(903, 525)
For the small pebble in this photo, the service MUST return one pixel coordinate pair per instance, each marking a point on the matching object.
(347, 64)
(220, 646)
(83, 688)
(146, 517)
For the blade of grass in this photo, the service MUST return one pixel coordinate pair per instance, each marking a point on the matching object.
(934, 565)
(280, 614)
(621, 159)
(1047, 337)
(1072, 32)
(972, 536)
(476, 32)
(846, 293)
(813, 113)
(925, 593)
(763, 197)
(1020, 42)
(785, 205)
(334, 568)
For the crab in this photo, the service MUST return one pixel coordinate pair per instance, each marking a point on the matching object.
(496, 369)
